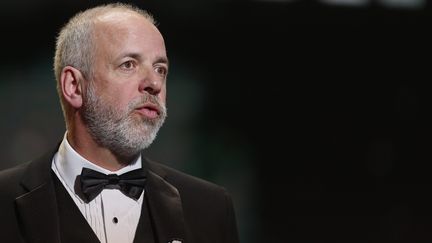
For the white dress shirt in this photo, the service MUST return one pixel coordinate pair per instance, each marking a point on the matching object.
(112, 215)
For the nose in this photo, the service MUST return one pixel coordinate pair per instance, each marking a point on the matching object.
(151, 82)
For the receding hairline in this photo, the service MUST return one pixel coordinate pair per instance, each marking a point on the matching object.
(116, 16)
(115, 10)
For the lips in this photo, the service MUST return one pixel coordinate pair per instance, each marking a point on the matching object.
(149, 110)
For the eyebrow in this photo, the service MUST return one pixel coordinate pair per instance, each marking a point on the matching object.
(160, 59)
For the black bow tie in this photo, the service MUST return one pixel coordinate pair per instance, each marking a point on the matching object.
(131, 183)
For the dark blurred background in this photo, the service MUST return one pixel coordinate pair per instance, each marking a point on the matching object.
(314, 114)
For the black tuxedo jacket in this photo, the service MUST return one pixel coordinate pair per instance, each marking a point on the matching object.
(177, 207)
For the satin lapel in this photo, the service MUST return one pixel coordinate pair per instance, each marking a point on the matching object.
(72, 224)
(37, 209)
(144, 232)
(165, 209)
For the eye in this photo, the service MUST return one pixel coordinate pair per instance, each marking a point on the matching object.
(128, 65)
(162, 71)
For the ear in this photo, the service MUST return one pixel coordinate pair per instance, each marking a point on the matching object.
(71, 81)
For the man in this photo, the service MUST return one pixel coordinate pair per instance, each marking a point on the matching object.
(111, 68)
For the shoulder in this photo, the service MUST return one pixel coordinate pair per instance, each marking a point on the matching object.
(12, 175)
(183, 181)
(195, 193)
(10, 182)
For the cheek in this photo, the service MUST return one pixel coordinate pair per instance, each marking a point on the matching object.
(118, 99)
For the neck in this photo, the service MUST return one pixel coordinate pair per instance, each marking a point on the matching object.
(84, 144)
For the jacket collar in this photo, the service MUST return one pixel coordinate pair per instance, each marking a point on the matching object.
(164, 204)
(165, 209)
(37, 209)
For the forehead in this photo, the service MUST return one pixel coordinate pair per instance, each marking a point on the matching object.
(126, 28)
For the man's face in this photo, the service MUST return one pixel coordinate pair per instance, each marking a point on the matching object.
(124, 104)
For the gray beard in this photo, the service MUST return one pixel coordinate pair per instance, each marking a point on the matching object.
(119, 131)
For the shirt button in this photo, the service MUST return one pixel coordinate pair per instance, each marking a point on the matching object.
(115, 220)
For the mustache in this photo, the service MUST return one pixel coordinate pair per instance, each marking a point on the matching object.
(146, 99)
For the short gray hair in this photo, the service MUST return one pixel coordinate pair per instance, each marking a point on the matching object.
(74, 45)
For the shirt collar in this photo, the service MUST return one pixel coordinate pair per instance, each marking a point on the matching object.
(69, 164)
